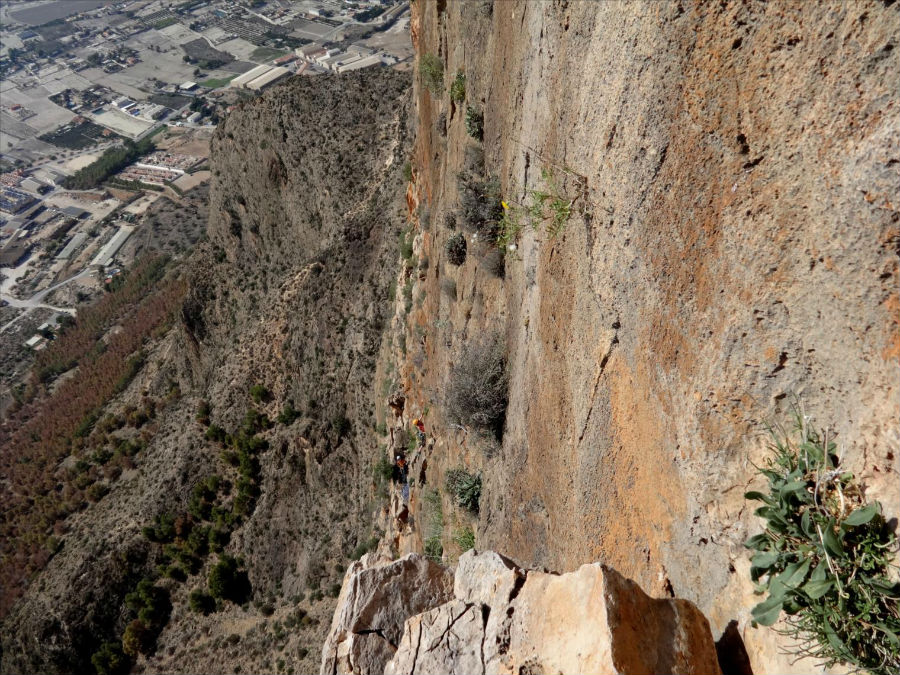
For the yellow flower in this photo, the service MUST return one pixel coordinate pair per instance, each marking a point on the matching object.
(504, 205)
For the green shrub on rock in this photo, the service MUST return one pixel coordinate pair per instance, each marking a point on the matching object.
(825, 557)
(458, 88)
(431, 70)
(474, 123)
(465, 487)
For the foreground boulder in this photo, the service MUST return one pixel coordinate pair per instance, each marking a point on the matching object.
(502, 619)
(378, 596)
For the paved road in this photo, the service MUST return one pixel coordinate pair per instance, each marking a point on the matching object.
(36, 300)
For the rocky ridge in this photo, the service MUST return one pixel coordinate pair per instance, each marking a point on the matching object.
(500, 618)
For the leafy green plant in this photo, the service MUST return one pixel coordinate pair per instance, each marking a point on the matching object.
(547, 205)
(474, 123)
(434, 549)
(464, 538)
(431, 70)
(510, 226)
(458, 88)
(824, 557)
(465, 487)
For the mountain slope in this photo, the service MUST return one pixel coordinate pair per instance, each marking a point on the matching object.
(284, 314)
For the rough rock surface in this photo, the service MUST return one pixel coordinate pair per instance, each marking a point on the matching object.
(733, 243)
(377, 597)
(502, 619)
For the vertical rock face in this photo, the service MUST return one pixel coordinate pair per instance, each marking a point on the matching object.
(502, 619)
(733, 241)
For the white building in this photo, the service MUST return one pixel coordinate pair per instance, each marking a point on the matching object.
(360, 63)
(269, 78)
(249, 76)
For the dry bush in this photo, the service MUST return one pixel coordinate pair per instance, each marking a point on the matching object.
(477, 392)
(456, 249)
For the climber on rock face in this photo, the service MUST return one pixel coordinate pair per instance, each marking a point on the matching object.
(420, 431)
(401, 467)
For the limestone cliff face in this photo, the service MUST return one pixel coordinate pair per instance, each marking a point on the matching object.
(500, 618)
(732, 245)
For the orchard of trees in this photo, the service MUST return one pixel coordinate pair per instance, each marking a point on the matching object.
(110, 162)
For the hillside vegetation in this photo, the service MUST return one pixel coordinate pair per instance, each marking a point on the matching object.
(213, 470)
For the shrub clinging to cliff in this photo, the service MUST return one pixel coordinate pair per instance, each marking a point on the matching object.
(431, 70)
(477, 391)
(456, 249)
(474, 123)
(465, 487)
(458, 88)
(479, 204)
(824, 557)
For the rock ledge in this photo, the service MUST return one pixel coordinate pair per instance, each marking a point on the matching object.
(493, 617)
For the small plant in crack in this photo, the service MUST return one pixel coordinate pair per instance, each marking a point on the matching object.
(547, 205)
